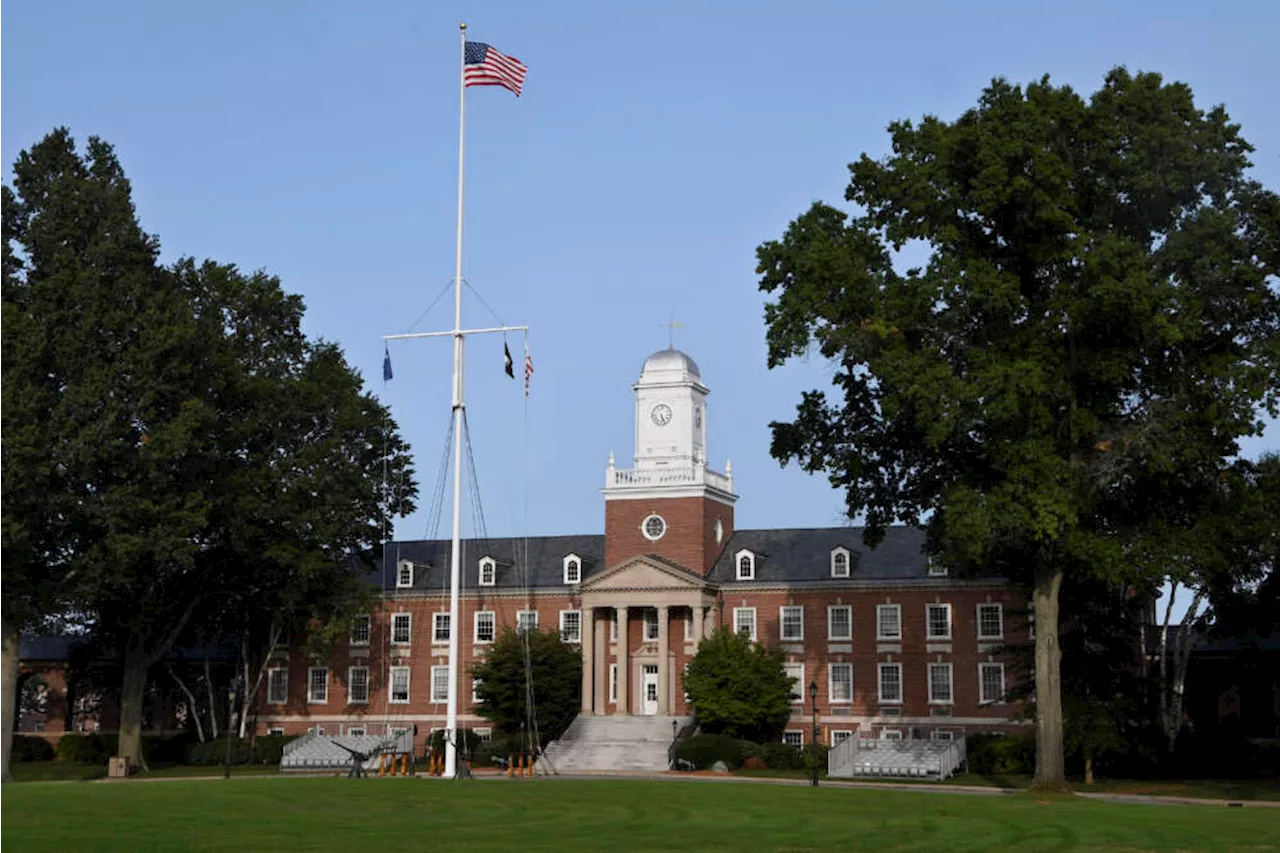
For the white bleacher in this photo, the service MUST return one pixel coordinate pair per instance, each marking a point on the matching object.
(912, 758)
(322, 752)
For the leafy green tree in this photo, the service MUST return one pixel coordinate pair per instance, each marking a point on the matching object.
(738, 687)
(1091, 329)
(555, 672)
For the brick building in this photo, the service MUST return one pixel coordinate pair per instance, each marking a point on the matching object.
(896, 647)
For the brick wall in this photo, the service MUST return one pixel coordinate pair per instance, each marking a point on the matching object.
(690, 537)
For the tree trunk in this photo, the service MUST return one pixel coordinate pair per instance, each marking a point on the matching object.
(213, 699)
(1050, 769)
(251, 690)
(1088, 769)
(1181, 660)
(194, 708)
(132, 696)
(9, 692)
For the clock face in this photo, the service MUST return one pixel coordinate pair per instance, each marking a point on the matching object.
(661, 414)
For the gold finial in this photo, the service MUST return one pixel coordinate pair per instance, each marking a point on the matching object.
(463, 26)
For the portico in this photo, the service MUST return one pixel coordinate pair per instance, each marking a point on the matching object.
(630, 657)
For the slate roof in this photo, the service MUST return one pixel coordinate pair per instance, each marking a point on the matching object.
(804, 555)
(544, 558)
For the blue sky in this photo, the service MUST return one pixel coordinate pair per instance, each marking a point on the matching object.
(656, 145)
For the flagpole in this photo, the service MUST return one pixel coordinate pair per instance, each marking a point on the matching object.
(455, 568)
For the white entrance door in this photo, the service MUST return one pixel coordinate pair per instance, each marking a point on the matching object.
(649, 690)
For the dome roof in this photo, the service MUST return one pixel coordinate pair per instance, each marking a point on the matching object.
(670, 359)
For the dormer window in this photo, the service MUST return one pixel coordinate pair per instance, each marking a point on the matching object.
(746, 563)
(840, 563)
(488, 571)
(404, 574)
(572, 569)
(937, 569)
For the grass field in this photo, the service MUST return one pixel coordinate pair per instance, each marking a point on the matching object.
(616, 815)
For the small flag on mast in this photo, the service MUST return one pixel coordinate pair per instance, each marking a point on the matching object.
(528, 369)
(386, 364)
(484, 66)
(507, 363)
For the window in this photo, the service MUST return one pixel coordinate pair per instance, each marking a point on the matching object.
(650, 624)
(401, 625)
(318, 684)
(792, 621)
(793, 737)
(888, 621)
(746, 562)
(1031, 620)
(938, 621)
(317, 729)
(841, 687)
(488, 571)
(439, 684)
(613, 628)
(439, 627)
(613, 682)
(404, 574)
(475, 691)
(400, 684)
(941, 734)
(839, 563)
(940, 683)
(744, 621)
(990, 683)
(360, 628)
(571, 626)
(840, 622)
(990, 621)
(485, 735)
(358, 684)
(719, 531)
(795, 671)
(890, 683)
(484, 626)
(277, 685)
(527, 620)
(653, 528)
(688, 626)
(839, 736)
(275, 732)
(356, 731)
(572, 569)
(937, 569)
(891, 734)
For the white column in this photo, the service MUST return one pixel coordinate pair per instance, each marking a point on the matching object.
(601, 692)
(622, 710)
(664, 660)
(588, 637)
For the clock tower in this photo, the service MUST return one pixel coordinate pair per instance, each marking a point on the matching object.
(671, 503)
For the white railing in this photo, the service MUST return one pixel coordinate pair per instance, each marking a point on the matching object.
(696, 475)
(952, 758)
(843, 756)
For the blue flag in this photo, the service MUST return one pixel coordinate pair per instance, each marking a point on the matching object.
(386, 365)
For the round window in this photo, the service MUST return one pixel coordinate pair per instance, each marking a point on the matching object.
(654, 527)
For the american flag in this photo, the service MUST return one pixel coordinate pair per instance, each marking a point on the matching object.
(528, 370)
(484, 66)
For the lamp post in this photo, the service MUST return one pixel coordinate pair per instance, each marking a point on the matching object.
(813, 699)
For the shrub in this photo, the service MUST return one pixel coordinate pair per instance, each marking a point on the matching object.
(85, 748)
(782, 756)
(702, 751)
(214, 752)
(989, 754)
(28, 748)
(268, 749)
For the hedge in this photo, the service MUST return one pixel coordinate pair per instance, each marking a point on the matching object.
(703, 751)
(28, 748)
(989, 754)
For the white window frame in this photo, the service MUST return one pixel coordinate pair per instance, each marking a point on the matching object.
(891, 734)
(796, 735)
(782, 623)
(441, 697)
(999, 608)
(275, 731)
(896, 610)
(839, 736)
(311, 700)
(942, 735)
(739, 612)
(613, 683)
(522, 617)
(798, 688)
(475, 696)
(937, 569)
(573, 569)
(951, 683)
(647, 534)
(563, 615)
(880, 671)
(928, 621)
(391, 685)
(436, 619)
(351, 681)
(475, 626)
(284, 682)
(407, 620)
(688, 626)
(404, 574)
(983, 698)
(651, 621)
(484, 733)
(831, 633)
(367, 621)
(744, 571)
(836, 570)
(831, 683)
(488, 571)
(357, 731)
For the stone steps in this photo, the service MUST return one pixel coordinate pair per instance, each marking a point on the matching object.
(612, 743)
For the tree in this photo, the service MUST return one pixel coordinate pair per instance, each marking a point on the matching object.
(1090, 332)
(555, 673)
(738, 687)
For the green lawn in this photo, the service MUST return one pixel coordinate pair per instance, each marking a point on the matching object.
(614, 815)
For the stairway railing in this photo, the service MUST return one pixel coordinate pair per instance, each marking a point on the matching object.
(682, 735)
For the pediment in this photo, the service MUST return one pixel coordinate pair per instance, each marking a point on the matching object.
(643, 573)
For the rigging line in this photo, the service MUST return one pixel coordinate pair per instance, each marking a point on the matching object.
(432, 530)
(386, 516)
(485, 303)
(448, 285)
